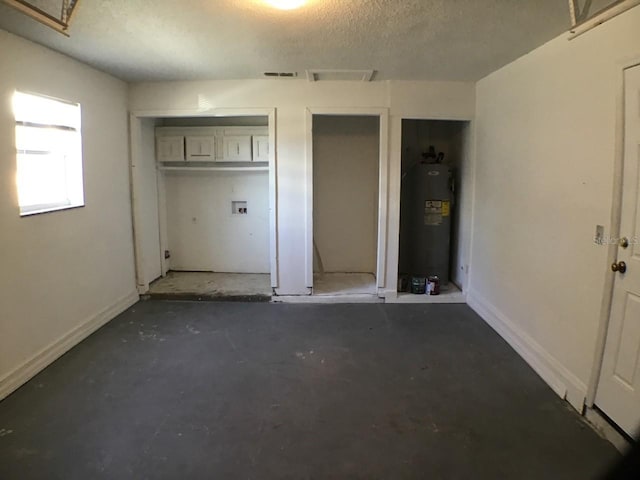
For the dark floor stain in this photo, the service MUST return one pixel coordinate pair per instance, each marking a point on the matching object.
(209, 297)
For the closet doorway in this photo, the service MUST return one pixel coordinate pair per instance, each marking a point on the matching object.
(434, 210)
(204, 205)
(346, 217)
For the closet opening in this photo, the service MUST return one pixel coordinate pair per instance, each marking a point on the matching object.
(203, 208)
(431, 263)
(346, 178)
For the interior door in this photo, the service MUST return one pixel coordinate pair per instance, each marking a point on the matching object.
(618, 393)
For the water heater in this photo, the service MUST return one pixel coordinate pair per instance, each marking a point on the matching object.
(425, 223)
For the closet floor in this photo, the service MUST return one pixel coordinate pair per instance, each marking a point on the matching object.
(448, 294)
(344, 284)
(212, 286)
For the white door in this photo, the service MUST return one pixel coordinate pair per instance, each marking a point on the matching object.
(171, 149)
(618, 393)
(201, 148)
(237, 148)
(260, 148)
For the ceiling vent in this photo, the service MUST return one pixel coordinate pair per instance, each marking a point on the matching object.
(340, 75)
(281, 74)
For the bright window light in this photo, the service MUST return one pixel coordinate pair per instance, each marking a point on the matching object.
(48, 154)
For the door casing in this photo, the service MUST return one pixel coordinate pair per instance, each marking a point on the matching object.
(135, 138)
(383, 188)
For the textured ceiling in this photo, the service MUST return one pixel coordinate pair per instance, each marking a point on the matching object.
(148, 40)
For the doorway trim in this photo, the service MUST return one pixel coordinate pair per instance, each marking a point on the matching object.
(615, 223)
(396, 192)
(383, 187)
(135, 118)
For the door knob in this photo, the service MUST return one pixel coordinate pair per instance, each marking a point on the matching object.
(620, 267)
(624, 242)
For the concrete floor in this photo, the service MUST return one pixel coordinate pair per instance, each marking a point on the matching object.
(195, 390)
(212, 286)
(449, 293)
(333, 284)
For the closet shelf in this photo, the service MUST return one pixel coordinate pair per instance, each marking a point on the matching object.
(203, 168)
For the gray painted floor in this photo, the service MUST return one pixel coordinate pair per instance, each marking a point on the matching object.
(188, 390)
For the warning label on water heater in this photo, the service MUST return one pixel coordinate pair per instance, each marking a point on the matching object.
(446, 209)
(433, 212)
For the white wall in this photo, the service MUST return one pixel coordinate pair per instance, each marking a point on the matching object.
(67, 272)
(546, 147)
(462, 227)
(149, 228)
(203, 233)
(346, 156)
(291, 98)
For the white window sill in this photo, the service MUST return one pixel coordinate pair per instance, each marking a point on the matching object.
(49, 209)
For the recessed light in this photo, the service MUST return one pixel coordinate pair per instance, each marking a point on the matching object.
(286, 4)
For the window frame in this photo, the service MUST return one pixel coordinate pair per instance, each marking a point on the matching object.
(73, 154)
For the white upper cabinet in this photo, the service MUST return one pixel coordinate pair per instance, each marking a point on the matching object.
(211, 144)
(201, 148)
(260, 148)
(237, 148)
(171, 148)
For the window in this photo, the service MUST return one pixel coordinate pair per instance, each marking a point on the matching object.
(48, 154)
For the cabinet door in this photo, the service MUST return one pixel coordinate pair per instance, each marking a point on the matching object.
(237, 148)
(201, 148)
(260, 148)
(170, 149)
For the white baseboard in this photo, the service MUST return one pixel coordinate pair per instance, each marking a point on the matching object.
(27, 370)
(556, 375)
(389, 295)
